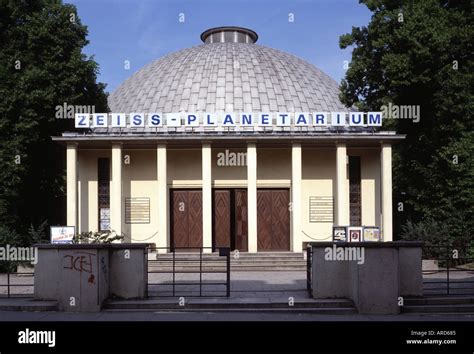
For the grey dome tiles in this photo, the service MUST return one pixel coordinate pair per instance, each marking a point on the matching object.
(231, 77)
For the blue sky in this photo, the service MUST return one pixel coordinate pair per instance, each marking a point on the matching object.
(141, 31)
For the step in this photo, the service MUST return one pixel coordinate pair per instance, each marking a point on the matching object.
(27, 304)
(459, 308)
(240, 268)
(227, 304)
(223, 261)
(315, 311)
(299, 256)
(439, 300)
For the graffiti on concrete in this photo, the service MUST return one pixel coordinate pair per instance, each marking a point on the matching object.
(81, 262)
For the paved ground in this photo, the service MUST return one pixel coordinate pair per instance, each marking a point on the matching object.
(256, 282)
(220, 316)
(243, 284)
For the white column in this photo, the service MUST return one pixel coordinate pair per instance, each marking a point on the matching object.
(163, 204)
(342, 192)
(296, 245)
(386, 184)
(206, 197)
(252, 196)
(116, 189)
(71, 185)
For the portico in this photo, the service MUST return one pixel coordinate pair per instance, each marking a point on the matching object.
(150, 170)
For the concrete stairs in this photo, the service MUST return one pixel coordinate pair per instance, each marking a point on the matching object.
(439, 304)
(268, 261)
(27, 304)
(325, 306)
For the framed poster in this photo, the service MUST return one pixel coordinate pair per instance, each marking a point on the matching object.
(62, 234)
(371, 234)
(339, 234)
(355, 234)
(104, 219)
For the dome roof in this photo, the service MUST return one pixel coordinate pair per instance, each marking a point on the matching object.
(231, 76)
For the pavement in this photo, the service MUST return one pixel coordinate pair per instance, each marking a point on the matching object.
(257, 288)
(220, 316)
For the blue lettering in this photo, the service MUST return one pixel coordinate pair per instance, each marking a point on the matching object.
(359, 118)
(375, 119)
(320, 119)
(209, 120)
(137, 120)
(301, 118)
(99, 120)
(264, 118)
(228, 120)
(191, 118)
(246, 119)
(155, 119)
(283, 118)
(82, 121)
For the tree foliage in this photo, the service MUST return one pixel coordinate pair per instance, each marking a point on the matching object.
(421, 53)
(41, 67)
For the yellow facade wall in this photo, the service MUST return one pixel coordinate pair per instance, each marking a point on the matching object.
(185, 171)
(139, 179)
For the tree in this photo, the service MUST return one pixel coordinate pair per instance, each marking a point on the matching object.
(421, 53)
(41, 67)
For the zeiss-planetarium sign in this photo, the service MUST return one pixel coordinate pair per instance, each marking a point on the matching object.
(278, 119)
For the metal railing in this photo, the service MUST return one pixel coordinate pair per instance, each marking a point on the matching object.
(451, 271)
(175, 262)
(11, 286)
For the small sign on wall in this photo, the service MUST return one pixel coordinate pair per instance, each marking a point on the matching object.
(372, 234)
(62, 234)
(355, 234)
(339, 234)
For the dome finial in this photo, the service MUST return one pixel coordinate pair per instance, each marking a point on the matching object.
(229, 34)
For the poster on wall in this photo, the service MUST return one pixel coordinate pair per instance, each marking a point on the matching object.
(339, 234)
(371, 234)
(355, 234)
(104, 219)
(62, 234)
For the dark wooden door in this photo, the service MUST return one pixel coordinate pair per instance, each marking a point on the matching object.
(222, 218)
(273, 220)
(186, 218)
(240, 220)
(229, 226)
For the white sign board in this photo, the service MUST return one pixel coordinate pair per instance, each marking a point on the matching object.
(62, 234)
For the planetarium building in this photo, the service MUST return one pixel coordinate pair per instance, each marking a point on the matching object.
(230, 144)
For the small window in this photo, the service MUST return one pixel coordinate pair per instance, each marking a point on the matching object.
(104, 193)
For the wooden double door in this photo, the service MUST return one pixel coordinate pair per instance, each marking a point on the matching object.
(230, 219)
(273, 220)
(186, 218)
(229, 224)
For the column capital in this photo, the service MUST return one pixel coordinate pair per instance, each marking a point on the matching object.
(116, 143)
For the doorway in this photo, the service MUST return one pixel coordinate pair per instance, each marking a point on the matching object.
(229, 224)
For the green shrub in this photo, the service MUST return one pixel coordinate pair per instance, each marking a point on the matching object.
(97, 237)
